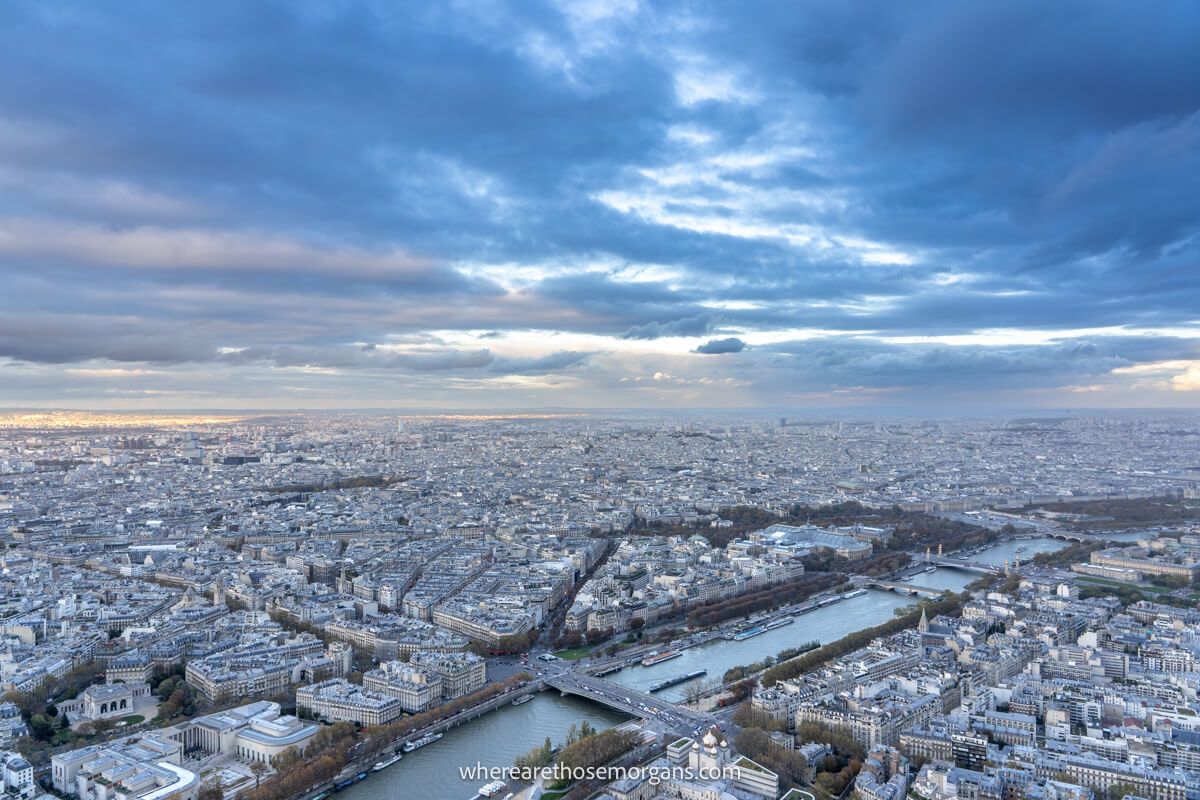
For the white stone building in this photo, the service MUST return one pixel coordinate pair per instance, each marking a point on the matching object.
(106, 701)
(16, 776)
(145, 769)
(417, 689)
(461, 673)
(253, 732)
(338, 700)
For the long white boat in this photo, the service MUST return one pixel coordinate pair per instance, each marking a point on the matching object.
(428, 738)
(387, 762)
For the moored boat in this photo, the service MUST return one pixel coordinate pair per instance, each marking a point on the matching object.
(492, 789)
(428, 738)
(658, 658)
(757, 630)
(387, 762)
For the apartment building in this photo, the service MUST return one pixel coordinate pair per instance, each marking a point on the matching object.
(338, 700)
(417, 689)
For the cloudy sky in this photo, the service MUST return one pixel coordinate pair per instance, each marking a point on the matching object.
(600, 204)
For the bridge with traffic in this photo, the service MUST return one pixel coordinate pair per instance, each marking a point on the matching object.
(965, 565)
(901, 587)
(581, 680)
(624, 699)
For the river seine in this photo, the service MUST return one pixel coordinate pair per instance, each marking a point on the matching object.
(496, 739)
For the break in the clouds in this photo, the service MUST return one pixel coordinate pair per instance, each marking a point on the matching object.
(600, 204)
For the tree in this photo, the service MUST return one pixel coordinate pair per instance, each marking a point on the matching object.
(754, 743)
(1119, 790)
(596, 749)
(165, 687)
(182, 697)
(1169, 581)
(537, 757)
(42, 727)
(747, 716)
(287, 759)
(28, 702)
(211, 790)
(259, 769)
(841, 741)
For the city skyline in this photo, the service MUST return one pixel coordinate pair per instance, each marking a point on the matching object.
(287, 606)
(600, 205)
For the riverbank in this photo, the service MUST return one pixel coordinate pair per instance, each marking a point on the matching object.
(499, 736)
(495, 739)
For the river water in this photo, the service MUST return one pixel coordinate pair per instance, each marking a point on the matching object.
(496, 739)
(823, 625)
(493, 740)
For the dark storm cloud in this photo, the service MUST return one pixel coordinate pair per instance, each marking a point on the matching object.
(270, 183)
(427, 359)
(37, 339)
(375, 120)
(431, 360)
(716, 347)
(864, 362)
(64, 340)
(976, 128)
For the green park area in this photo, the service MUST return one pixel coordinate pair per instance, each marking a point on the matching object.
(574, 653)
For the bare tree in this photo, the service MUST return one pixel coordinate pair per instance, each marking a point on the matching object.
(259, 769)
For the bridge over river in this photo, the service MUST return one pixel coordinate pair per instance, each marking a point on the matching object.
(624, 699)
(904, 588)
(965, 565)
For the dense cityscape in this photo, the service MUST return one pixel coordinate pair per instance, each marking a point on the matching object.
(287, 606)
